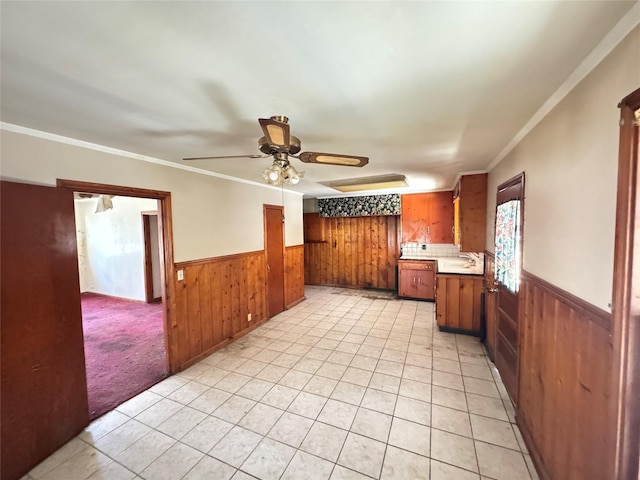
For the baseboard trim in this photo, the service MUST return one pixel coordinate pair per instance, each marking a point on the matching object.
(535, 454)
(296, 302)
(219, 346)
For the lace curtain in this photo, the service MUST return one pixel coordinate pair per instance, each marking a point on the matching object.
(507, 244)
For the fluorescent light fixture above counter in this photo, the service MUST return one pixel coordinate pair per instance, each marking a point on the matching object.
(379, 182)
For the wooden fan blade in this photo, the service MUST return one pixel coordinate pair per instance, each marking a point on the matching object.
(333, 159)
(226, 156)
(277, 132)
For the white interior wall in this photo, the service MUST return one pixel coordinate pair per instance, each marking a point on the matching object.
(113, 247)
(570, 160)
(212, 216)
(80, 208)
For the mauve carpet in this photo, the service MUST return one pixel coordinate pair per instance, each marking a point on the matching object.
(123, 347)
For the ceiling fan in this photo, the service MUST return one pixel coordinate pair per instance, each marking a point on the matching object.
(278, 143)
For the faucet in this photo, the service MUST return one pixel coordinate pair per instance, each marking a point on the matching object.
(471, 258)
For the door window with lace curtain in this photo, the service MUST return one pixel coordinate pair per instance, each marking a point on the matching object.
(507, 244)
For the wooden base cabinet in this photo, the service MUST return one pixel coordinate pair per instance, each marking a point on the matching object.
(416, 279)
(458, 303)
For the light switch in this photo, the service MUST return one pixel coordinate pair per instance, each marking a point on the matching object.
(180, 275)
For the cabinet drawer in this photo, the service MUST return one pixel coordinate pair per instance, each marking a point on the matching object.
(417, 265)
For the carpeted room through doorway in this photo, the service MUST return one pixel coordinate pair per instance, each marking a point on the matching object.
(124, 349)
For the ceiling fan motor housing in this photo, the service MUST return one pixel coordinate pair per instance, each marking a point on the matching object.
(266, 148)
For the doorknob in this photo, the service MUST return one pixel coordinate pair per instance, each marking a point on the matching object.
(492, 290)
(268, 268)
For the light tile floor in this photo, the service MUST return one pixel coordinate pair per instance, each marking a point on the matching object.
(346, 385)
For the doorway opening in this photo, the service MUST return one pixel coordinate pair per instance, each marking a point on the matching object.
(119, 266)
(127, 213)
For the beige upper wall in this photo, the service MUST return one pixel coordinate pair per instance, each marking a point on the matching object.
(211, 216)
(570, 160)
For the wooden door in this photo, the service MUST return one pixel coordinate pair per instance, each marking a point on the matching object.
(490, 306)
(274, 250)
(44, 389)
(508, 261)
(152, 257)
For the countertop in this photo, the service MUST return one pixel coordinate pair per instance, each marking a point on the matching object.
(452, 265)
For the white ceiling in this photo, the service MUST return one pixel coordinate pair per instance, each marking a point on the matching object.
(425, 89)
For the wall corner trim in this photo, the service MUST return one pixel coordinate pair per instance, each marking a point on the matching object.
(591, 61)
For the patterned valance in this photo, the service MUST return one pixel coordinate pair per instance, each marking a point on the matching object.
(362, 206)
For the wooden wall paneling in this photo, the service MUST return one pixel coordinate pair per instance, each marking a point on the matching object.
(332, 268)
(236, 293)
(204, 299)
(191, 277)
(394, 249)
(213, 300)
(367, 251)
(373, 248)
(244, 295)
(359, 252)
(310, 275)
(181, 329)
(364, 255)
(294, 274)
(250, 287)
(225, 297)
(564, 399)
(349, 278)
(217, 318)
(383, 252)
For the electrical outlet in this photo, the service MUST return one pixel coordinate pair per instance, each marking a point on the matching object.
(180, 275)
(248, 317)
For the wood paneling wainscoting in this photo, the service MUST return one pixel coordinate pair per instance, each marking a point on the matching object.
(293, 275)
(565, 404)
(359, 252)
(216, 296)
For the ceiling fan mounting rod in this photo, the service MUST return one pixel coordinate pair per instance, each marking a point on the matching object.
(281, 157)
(280, 118)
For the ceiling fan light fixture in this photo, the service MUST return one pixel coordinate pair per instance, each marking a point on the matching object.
(291, 176)
(273, 173)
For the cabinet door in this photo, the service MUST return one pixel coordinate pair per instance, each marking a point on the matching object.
(407, 283)
(473, 212)
(458, 299)
(440, 222)
(424, 284)
(414, 217)
(313, 228)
